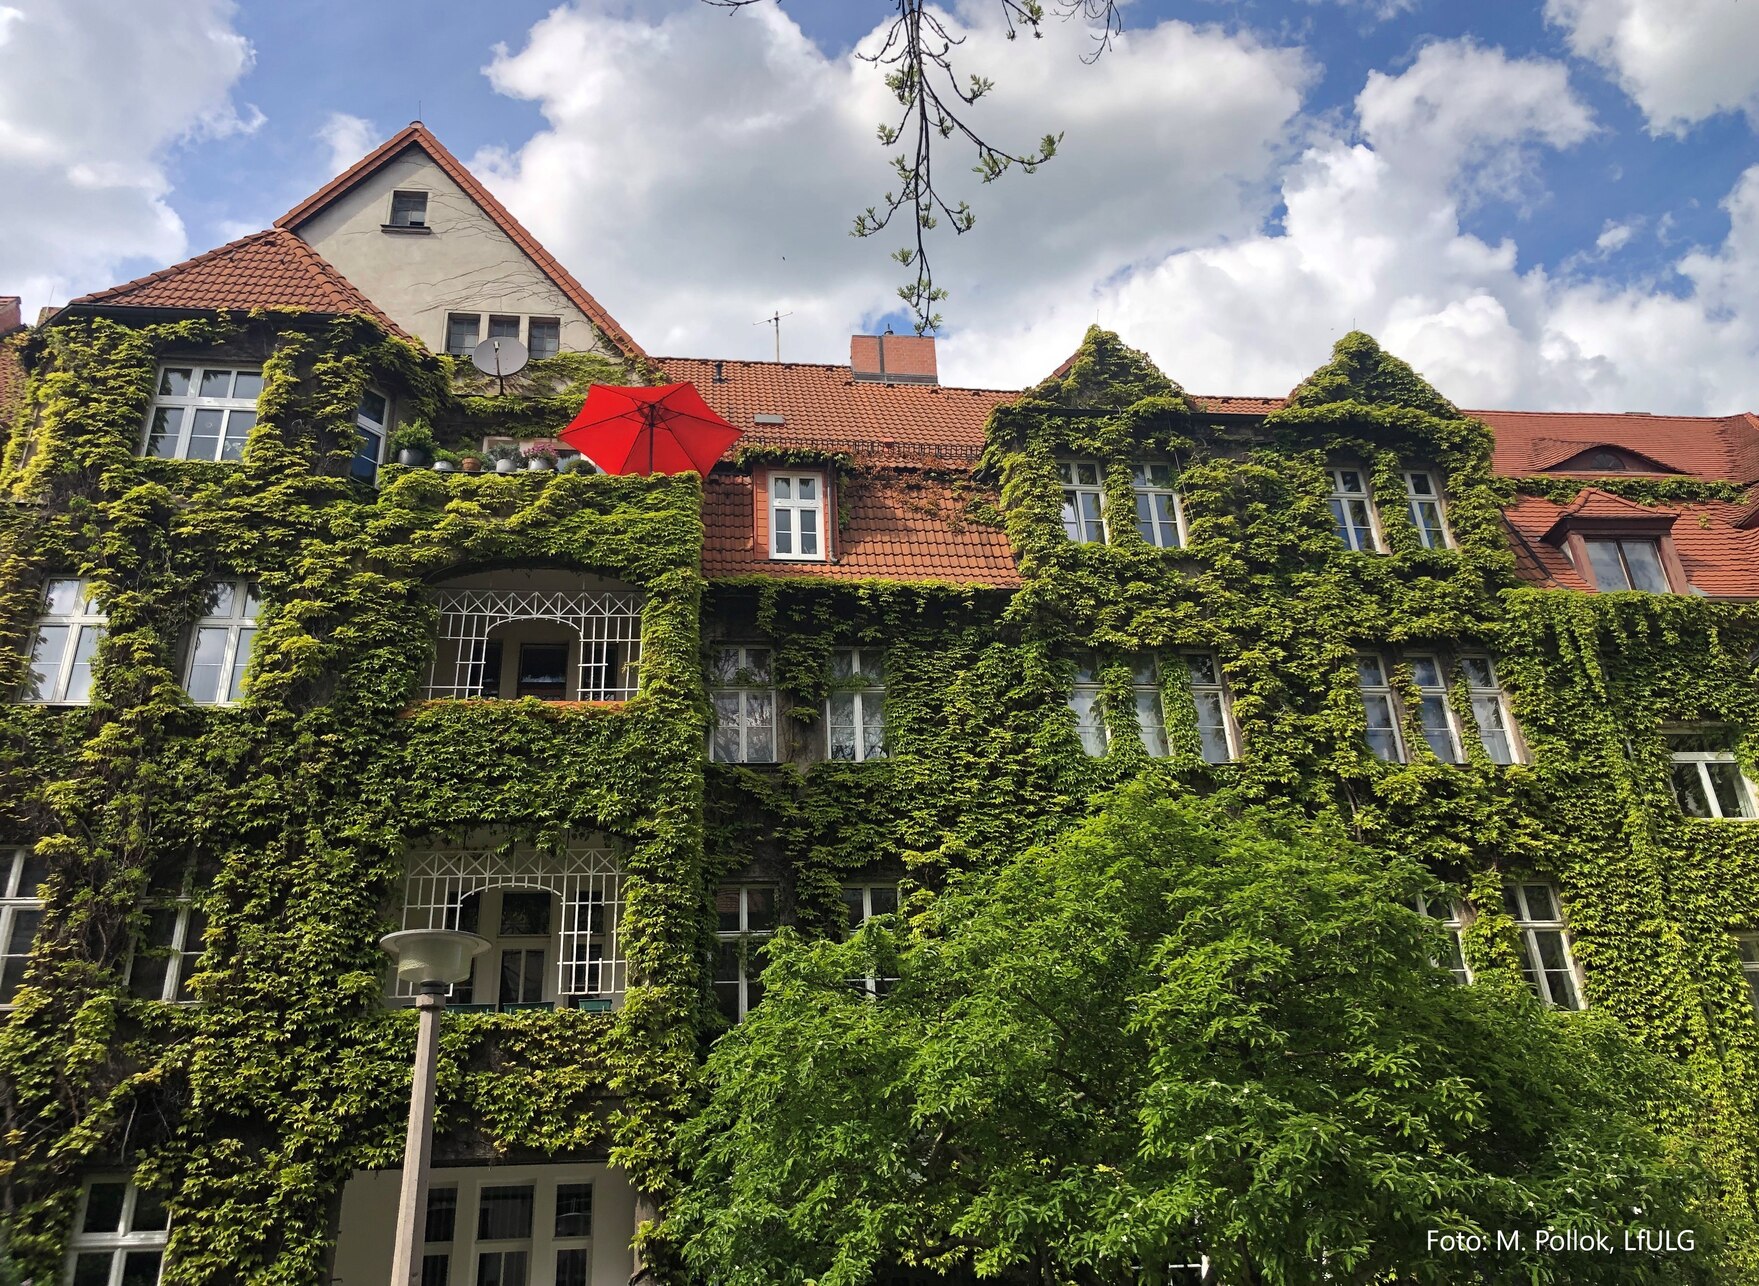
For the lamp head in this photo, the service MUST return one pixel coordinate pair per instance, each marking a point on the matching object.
(433, 955)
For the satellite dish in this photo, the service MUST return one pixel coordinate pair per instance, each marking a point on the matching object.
(500, 356)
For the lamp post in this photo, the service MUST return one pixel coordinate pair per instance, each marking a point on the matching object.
(432, 959)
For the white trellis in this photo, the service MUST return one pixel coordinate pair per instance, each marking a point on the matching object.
(607, 624)
(584, 876)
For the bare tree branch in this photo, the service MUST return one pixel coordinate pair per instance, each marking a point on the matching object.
(917, 59)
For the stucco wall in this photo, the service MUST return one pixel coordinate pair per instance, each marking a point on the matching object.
(464, 264)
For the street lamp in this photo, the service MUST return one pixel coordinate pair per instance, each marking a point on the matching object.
(432, 959)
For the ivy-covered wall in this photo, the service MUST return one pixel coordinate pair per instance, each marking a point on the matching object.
(295, 808)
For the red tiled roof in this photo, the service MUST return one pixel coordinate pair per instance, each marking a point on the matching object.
(1718, 447)
(415, 134)
(897, 526)
(823, 408)
(1720, 557)
(1226, 405)
(272, 269)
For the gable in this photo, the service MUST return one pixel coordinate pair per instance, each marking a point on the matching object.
(472, 256)
(1604, 457)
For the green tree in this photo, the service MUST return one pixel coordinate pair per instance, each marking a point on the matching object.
(1174, 1032)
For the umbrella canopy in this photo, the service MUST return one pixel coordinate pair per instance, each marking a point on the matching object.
(664, 429)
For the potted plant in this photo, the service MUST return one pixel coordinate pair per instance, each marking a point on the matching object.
(579, 464)
(470, 462)
(506, 457)
(539, 457)
(413, 442)
(445, 461)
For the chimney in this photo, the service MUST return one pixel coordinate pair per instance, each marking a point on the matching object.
(892, 359)
(11, 313)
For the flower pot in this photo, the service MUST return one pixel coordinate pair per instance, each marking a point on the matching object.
(470, 464)
(412, 456)
(537, 464)
(444, 466)
(506, 466)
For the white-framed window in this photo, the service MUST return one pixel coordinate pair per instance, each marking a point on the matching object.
(22, 873)
(861, 903)
(529, 928)
(167, 951)
(1351, 511)
(462, 330)
(1215, 726)
(219, 645)
(489, 1228)
(370, 418)
(1545, 943)
(1084, 520)
(745, 916)
(63, 643)
(1748, 945)
(1434, 715)
(544, 336)
(202, 412)
(1490, 710)
(1428, 514)
(1451, 916)
(797, 509)
(1707, 780)
(1084, 700)
(119, 1235)
(409, 209)
(1160, 514)
(855, 710)
(1151, 717)
(1381, 707)
(1627, 563)
(744, 701)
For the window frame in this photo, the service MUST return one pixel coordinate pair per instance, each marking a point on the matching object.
(240, 633)
(795, 508)
(17, 900)
(1413, 500)
(407, 224)
(1146, 678)
(1069, 481)
(745, 691)
(119, 1243)
(476, 331)
(1701, 760)
(867, 697)
(182, 960)
(1437, 691)
(531, 325)
(1454, 923)
(1145, 488)
(1528, 927)
(191, 402)
(1219, 689)
(88, 616)
(1088, 686)
(1338, 500)
(463, 1250)
(1618, 541)
(1384, 689)
(1747, 956)
(747, 982)
(872, 984)
(1499, 696)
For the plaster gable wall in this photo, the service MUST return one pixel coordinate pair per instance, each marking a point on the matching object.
(466, 264)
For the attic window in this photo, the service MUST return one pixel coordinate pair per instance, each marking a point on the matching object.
(409, 210)
(767, 417)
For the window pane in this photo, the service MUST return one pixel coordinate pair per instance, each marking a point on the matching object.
(150, 1214)
(501, 1268)
(92, 1268)
(784, 530)
(249, 385)
(104, 1207)
(1644, 561)
(206, 662)
(1479, 673)
(1609, 572)
(1425, 670)
(503, 328)
(1731, 794)
(1383, 739)
(204, 436)
(442, 1214)
(1437, 731)
(1150, 724)
(760, 908)
(162, 440)
(873, 727)
(782, 488)
(1541, 905)
(504, 1213)
(1492, 731)
(79, 674)
(461, 330)
(436, 1270)
(216, 384)
(571, 1267)
(1071, 526)
(240, 662)
(1202, 667)
(574, 1209)
(808, 488)
(238, 427)
(1212, 727)
(373, 408)
(1370, 672)
(525, 914)
(1688, 787)
(724, 747)
(808, 531)
(48, 650)
(546, 337)
(174, 381)
(1085, 703)
(840, 726)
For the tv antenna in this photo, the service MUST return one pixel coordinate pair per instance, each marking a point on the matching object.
(501, 356)
(775, 320)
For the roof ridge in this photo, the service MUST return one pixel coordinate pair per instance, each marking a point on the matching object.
(416, 134)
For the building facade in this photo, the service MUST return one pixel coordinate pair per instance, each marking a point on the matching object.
(272, 695)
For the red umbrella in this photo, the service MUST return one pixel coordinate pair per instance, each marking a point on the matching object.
(665, 429)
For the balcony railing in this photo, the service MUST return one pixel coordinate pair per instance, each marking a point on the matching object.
(561, 642)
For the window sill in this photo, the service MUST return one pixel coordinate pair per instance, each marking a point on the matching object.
(404, 229)
(798, 558)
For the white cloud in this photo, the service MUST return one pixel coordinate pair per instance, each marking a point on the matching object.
(701, 169)
(348, 137)
(92, 95)
(1680, 60)
(1615, 236)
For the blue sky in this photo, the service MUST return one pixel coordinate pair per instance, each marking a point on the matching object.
(1542, 202)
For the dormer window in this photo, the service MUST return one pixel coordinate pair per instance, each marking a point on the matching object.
(797, 508)
(1424, 503)
(409, 210)
(1626, 563)
(1617, 544)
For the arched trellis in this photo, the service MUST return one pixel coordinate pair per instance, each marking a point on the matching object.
(584, 875)
(606, 623)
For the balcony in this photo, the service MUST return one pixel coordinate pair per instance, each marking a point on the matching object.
(553, 635)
